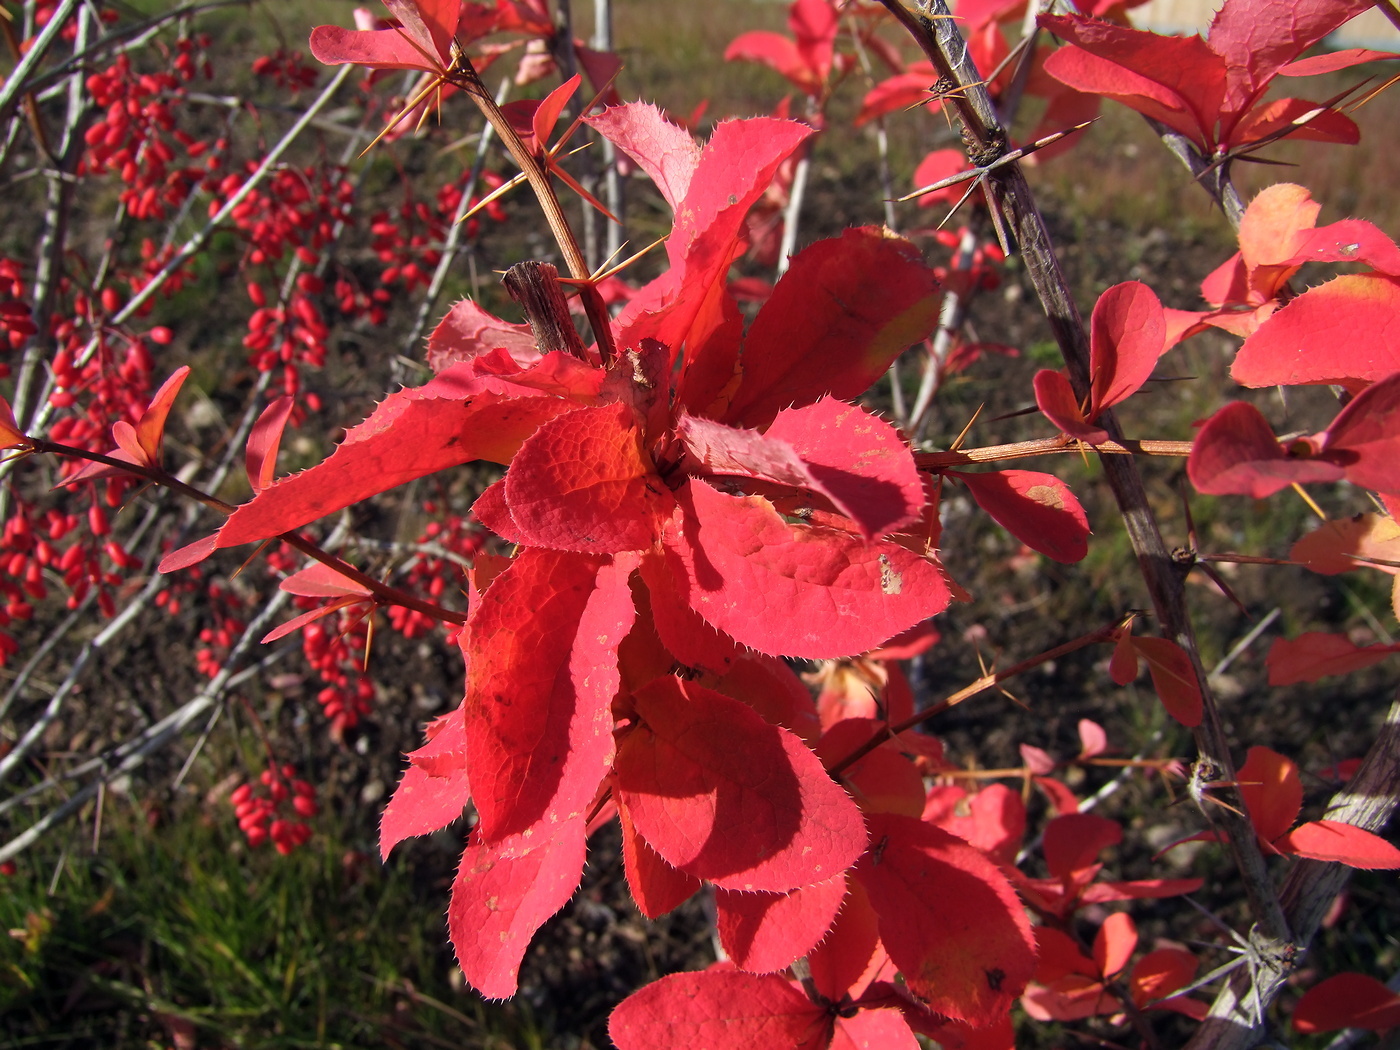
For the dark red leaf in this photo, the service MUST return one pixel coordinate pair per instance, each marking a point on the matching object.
(541, 648)
(1348, 1000)
(725, 796)
(1074, 841)
(950, 921)
(764, 932)
(1174, 678)
(1317, 654)
(656, 887)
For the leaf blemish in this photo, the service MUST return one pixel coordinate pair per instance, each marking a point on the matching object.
(891, 582)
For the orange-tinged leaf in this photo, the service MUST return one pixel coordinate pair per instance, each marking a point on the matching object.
(1159, 973)
(949, 919)
(1359, 542)
(1115, 943)
(1317, 654)
(1272, 791)
(541, 647)
(1272, 224)
(503, 893)
(1338, 332)
(581, 482)
(725, 796)
(1331, 840)
(764, 932)
(1347, 1000)
(10, 434)
(794, 590)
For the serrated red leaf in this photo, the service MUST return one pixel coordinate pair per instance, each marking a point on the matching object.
(469, 332)
(1137, 889)
(1236, 453)
(949, 919)
(541, 647)
(1114, 944)
(1317, 654)
(1347, 1000)
(846, 307)
(764, 932)
(992, 820)
(1038, 509)
(656, 887)
(492, 510)
(433, 790)
(1331, 840)
(1272, 791)
(1347, 330)
(850, 956)
(771, 688)
(775, 51)
(833, 594)
(666, 152)
(503, 893)
(861, 461)
(412, 433)
(260, 453)
(1058, 956)
(1174, 678)
(725, 796)
(581, 482)
(719, 1010)
(681, 629)
(882, 781)
(882, 1029)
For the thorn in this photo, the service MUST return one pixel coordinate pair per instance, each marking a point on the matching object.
(1308, 500)
(958, 441)
(495, 195)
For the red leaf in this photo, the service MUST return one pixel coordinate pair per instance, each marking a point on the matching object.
(1057, 403)
(764, 932)
(656, 887)
(685, 635)
(850, 956)
(503, 893)
(900, 92)
(422, 41)
(263, 440)
(1365, 437)
(1058, 956)
(1074, 841)
(581, 482)
(1038, 509)
(1236, 453)
(794, 590)
(541, 649)
(884, 1029)
(949, 919)
(993, 820)
(1359, 542)
(1114, 944)
(452, 420)
(1348, 1000)
(721, 1010)
(433, 790)
(724, 796)
(1317, 654)
(1332, 840)
(1271, 790)
(775, 51)
(882, 781)
(664, 151)
(1347, 330)
(1093, 741)
(861, 463)
(1159, 973)
(1128, 333)
(844, 310)
(469, 332)
(491, 509)
(1174, 678)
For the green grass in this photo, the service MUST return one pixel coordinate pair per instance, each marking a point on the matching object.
(183, 927)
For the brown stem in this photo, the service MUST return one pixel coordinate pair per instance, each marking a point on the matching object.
(464, 76)
(1010, 196)
(1046, 447)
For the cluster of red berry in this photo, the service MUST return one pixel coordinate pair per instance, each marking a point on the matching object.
(258, 815)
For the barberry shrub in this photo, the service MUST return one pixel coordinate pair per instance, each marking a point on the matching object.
(688, 583)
